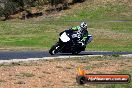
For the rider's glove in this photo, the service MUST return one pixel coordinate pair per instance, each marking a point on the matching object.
(82, 44)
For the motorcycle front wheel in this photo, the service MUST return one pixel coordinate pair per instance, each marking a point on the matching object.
(54, 49)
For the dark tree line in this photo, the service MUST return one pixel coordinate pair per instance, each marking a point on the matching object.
(8, 7)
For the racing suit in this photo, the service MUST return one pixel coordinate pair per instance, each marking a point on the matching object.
(84, 35)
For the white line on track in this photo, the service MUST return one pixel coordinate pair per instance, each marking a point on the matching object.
(48, 58)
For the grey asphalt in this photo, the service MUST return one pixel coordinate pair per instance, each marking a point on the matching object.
(8, 55)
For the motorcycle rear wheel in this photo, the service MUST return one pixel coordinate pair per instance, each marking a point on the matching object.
(75, 52)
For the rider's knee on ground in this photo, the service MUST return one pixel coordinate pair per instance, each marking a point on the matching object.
(89, 39)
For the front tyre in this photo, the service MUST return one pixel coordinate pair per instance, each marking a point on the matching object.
(54, 49)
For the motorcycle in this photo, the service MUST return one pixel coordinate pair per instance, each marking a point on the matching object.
(68, 43)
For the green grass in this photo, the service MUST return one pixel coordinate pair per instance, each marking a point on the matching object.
(108, 36)
(27, 34)
(97, 10)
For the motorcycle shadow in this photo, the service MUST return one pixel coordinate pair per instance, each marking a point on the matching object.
(80, 54)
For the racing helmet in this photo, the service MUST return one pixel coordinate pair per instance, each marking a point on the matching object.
(83, 25)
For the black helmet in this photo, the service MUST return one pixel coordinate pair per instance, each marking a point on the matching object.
(83, 25)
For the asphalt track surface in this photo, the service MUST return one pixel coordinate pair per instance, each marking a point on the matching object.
(8, 55)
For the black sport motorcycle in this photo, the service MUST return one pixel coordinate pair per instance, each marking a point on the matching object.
(68, 43)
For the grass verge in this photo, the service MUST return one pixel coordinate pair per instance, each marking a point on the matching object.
(42, 34)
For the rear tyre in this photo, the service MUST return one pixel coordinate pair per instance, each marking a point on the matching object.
(54, 49)
(75, 52)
